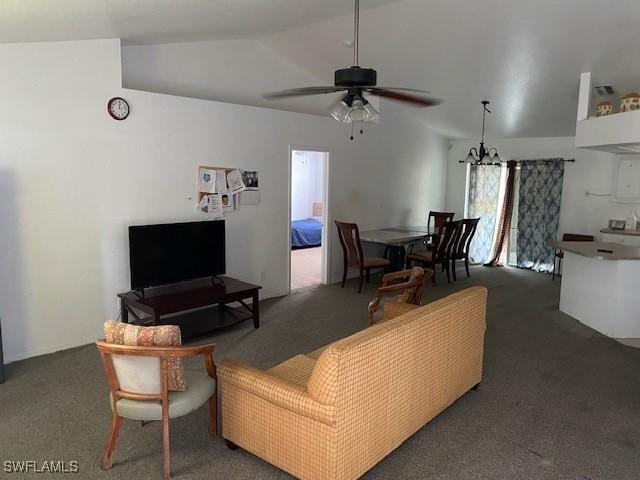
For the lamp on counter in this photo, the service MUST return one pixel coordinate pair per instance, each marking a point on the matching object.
(481, 155)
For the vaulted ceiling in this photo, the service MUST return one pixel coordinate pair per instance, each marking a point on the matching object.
(524, 56)
(161, 21)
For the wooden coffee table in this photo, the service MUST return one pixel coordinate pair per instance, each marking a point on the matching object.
(197, 307)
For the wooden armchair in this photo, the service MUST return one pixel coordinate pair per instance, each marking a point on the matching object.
(409, 283)
(138, 382)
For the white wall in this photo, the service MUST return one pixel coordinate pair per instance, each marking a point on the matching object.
(307, 174)
(592, 171)
(55, 143)
(234, 71)
(72, 180)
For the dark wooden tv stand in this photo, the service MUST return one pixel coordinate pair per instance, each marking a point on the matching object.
(197, 307)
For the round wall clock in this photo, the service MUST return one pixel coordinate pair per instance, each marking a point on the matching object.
(118, 108)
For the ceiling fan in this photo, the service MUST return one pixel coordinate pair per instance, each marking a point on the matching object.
(356, 81)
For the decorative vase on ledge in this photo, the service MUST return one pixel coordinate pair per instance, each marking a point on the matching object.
(604, 108)
(630, 102)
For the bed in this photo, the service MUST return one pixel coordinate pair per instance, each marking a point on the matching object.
(306, 233)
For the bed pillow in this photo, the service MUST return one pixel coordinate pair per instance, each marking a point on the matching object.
(120, 333)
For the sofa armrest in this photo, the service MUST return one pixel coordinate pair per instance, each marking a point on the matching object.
(274, 390)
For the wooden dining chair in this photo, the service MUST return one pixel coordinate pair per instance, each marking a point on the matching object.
(436, 221)
(440, 253)
(353, 257)
(138, 378)
(460, 250)
(559, 254)
(407, 284)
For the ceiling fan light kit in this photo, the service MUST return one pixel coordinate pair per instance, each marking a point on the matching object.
(353, 107)
(481, 155)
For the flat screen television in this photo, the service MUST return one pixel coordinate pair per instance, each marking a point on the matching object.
(175, 252)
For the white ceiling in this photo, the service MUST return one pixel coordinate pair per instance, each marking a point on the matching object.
(525, 56)
(161, 21)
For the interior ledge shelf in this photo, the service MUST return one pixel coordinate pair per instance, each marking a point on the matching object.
(616, 133)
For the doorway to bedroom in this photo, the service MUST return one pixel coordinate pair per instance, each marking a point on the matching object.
(308, 214)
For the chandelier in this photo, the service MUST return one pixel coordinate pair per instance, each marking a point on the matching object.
(481, 155)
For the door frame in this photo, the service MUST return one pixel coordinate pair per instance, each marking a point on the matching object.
(325, 269)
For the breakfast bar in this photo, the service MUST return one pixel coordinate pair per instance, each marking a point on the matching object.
(601, 286)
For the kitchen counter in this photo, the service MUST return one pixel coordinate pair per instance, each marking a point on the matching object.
(600, 289)
(600, 250)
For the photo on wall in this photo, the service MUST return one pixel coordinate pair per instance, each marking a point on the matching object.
(234, 181)
(251, 193)
(229, 202)
(211, 205)
(250, 178)
(207, 180)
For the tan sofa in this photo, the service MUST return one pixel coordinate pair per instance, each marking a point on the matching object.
(335, 413)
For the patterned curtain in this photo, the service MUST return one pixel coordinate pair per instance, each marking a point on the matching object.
(484, 188)
(538, 212)
(503, 231)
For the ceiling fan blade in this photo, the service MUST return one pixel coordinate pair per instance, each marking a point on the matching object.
(299, 92)
(404, 95)
(402, 89)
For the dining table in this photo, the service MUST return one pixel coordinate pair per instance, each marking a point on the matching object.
(396, 240)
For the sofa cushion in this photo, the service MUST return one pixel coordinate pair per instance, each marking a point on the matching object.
(120, 333)
(296, 370)
(323, 384)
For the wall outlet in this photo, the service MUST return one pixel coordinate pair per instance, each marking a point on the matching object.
(262, 276)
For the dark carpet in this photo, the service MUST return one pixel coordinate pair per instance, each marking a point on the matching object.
(558, 400)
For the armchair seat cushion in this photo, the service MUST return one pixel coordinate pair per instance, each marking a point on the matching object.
(372, 262)
(201, 388)
(296, 370)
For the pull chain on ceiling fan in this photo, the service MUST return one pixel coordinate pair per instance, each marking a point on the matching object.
(356, 81)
